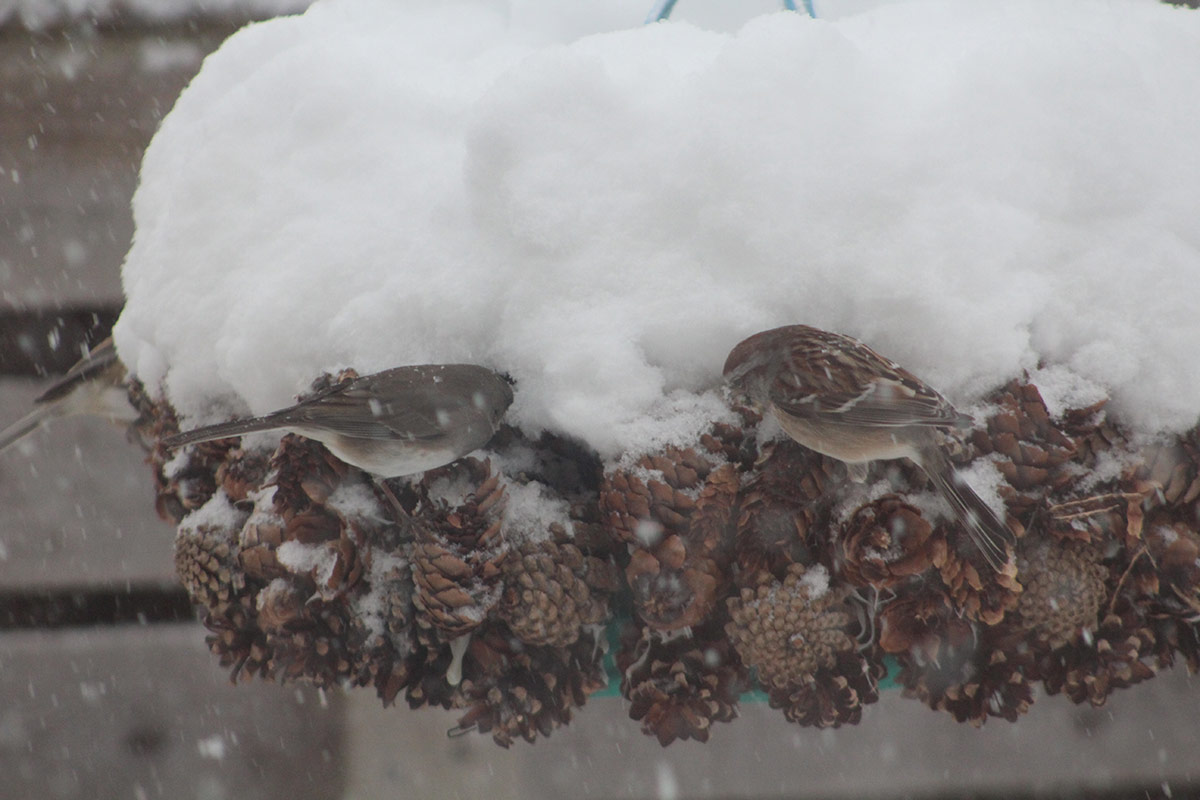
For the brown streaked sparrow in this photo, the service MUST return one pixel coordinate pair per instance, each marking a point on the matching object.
(392, 423)
(95, 386)
(835, 395)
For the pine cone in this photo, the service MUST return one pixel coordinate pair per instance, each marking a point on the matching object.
(680, 686)
(552, 590)
(1115, 658)
(242, 473)
(788, 630)
(515, 692)
(206, 554)
(977, 592)
(459, 550)
(980, 672)
(680, 557)
(1065, 585)
(835, 695)
(1032, 451)
(237, 641)
(885, 542)
(308, 637)
(784, 507)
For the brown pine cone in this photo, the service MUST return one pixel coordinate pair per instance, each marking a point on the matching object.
(552, 590)
(242, 473)
(1065, 585)
(834, 696)
(459, 549)
(680, 552)
(308, 637)
(977, 592)
(303, 473)
(884, 543)
(206, 555)
(981, 672)
(679, 685)
(788, 630)
(784, 507)
(237, 641)
(1033, 452)
(520, 692)
(1115, 657)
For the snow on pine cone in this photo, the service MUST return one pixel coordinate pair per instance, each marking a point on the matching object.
(206, 553)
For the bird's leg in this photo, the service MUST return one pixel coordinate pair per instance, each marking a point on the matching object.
(402, 517)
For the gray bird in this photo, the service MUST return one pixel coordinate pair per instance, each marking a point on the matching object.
(95, 385)
(835, 395)
(397, 422)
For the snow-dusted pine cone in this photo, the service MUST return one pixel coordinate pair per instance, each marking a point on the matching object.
(206, 555)
(459, 548)
(1064, 587)
(787, 630)
(552, 590)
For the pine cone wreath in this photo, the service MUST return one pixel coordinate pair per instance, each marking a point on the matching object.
(680, 684)
(459, 549)
(552, 590)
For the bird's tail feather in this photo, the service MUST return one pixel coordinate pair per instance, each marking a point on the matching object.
(222, 430)
(986, 529)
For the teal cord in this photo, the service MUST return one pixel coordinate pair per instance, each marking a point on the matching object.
(662, 9)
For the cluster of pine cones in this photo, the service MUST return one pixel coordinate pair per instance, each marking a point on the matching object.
(498, 587)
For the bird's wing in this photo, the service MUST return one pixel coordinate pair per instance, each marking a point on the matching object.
(857, 386)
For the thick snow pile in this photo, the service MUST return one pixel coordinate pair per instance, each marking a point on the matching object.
(973, 189)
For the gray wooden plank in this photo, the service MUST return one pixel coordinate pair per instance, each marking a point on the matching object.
(144, 712)
(77, 109)
(76, 505)
(1145, 736)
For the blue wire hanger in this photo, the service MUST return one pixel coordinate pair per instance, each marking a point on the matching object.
(662, 9)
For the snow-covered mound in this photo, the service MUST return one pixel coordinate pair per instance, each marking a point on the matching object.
(975, 190)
